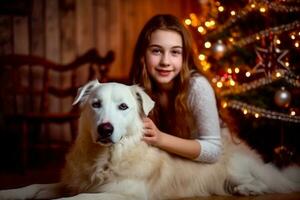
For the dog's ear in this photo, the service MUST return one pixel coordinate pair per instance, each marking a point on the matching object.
(84, 91)
(146, 102)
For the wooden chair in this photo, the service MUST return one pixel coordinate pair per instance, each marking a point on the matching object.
(31, 93)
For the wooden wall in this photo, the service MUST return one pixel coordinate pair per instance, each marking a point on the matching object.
(62, 29)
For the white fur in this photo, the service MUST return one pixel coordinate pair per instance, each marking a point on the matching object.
(124, 167)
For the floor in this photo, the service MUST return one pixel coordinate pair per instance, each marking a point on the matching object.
(51, 174)
(295, 196)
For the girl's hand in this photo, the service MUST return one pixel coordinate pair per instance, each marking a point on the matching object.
(152, 134)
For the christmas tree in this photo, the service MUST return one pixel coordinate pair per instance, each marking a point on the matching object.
(250, 51)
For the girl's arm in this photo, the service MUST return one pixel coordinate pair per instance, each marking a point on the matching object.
(183, 147)
(206, 146)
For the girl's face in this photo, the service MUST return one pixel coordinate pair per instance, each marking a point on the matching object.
(163, 56)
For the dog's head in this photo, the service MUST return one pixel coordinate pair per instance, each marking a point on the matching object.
(111, 111)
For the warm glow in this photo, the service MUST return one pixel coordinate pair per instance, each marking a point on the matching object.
(210, 24)
(224, 104)
(248, 74)
(229, 71)
(256, 115)
(293, 113)
(245, 111)
(278, 74)
(221, 9)
(201, 57)
(201, 29)
(231, 39)
(232, 82)
(232, 13)
(253, 5)
(236, 70)
(293, 37)
(194, 19)
(296, 44)
(257, 37)
(188, 21)
(207, 45)
(262, 9)
(278, 41)
(205, 65)
(287, 64)
(219, 84)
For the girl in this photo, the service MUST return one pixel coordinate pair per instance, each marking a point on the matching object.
(185, 119)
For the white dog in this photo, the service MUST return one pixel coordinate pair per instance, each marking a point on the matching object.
(110, 161)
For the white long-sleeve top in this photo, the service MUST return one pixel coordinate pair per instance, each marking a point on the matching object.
(203, 105)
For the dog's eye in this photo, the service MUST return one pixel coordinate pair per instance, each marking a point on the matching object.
(123, 106)
(96, 104)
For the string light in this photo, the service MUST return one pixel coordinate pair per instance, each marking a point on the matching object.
(229, 70)
(274, 30)
(293, 37)
(188, 21)
(248, 74)
(258, 83)
(287, 64)
(278, 74)
(261, 112)
(278, 41)
(207, 45)
(201, 30)
(202, 57)
(236, 70)
(224, 104)
(251, 7)
(232, 82)
(292, 113)
(262, 9)
(219, 84)
(221, 9)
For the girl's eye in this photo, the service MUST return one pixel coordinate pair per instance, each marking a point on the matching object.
(123, 106)
(96, 104)
(156, 51)
(176, 52)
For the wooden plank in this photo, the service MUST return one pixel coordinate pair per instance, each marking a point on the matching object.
(114, 31)
(6, 35)
(100, 16)
(21, 46)
(68, 53)
(52, 40)
(37, 28)
(37, 44)
(21, 35)
(84, 30)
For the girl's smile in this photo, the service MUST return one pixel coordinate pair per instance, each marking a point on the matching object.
(163, 56)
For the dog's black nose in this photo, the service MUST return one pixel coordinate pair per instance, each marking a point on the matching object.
(105, 130)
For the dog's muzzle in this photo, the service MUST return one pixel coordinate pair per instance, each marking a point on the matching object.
(105, 130)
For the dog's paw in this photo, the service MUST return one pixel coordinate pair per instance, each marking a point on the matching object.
(8, 195)
(248, 189)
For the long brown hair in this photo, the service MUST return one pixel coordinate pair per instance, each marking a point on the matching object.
(178, 114)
